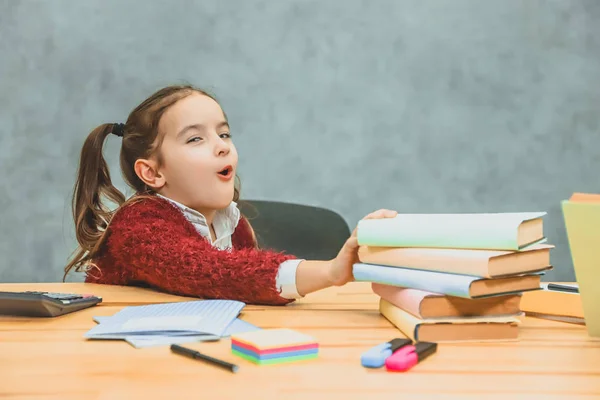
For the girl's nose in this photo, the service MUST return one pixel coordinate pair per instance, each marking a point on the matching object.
(222, 148)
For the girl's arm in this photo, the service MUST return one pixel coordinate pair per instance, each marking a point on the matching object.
(312, 276)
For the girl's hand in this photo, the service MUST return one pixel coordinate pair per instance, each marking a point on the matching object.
(341, 265)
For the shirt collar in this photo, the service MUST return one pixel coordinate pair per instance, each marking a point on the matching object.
(224, 222)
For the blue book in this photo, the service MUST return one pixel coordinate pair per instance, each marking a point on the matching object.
(465, 286)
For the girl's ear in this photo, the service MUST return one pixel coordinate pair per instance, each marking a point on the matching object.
(147, 171)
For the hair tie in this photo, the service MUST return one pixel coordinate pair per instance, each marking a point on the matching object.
(118, 129)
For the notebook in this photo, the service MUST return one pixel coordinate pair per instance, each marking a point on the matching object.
(191, 318)
(582, 222)
(237, 326)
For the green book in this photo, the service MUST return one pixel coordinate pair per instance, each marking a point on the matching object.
(492, 231)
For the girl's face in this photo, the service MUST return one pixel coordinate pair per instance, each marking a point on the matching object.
(199, 159)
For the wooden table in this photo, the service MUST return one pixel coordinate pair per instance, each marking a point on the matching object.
(49, 359)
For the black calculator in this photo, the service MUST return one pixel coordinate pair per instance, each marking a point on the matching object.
(44, 304)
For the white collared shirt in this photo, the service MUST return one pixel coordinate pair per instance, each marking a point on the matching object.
(224, 224)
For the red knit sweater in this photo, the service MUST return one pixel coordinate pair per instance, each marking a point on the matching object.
(151, 243)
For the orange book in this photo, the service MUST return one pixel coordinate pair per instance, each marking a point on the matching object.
(474, 262)
(552, 302)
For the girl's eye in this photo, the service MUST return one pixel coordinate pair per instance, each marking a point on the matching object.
(225, 135)
(194, 139)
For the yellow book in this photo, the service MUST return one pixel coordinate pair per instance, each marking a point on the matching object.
(439, 330)
(582, 221)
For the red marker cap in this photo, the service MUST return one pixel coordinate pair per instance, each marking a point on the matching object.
(409, 356)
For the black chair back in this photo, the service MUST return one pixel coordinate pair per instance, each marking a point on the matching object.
(307, 232)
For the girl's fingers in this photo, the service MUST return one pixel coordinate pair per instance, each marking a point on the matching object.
(352, 242)
(383, 213)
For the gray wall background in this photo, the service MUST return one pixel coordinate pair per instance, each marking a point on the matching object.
(418, 106)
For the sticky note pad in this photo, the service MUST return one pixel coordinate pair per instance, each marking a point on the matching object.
(277, 360)
(274, 346)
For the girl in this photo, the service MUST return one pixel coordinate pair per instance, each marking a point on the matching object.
(182, 232)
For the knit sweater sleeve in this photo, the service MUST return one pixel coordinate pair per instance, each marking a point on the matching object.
(157, 246)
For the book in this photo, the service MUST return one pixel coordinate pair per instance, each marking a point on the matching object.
(582, 222)
(552, 302)
(443, 283)
(476, 262)
(490, 231)
(441, 330)
(424, 305)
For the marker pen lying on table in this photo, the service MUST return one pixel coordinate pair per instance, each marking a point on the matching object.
(375, 357)
(409, 356)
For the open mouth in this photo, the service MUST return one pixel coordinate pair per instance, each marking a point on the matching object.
(226, 172)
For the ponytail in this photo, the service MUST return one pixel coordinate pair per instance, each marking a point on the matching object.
(93, 183)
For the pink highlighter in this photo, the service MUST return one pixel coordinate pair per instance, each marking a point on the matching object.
(408, 356)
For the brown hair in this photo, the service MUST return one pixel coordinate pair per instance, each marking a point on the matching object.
(141, 139)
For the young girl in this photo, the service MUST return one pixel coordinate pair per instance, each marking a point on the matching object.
(182, 232)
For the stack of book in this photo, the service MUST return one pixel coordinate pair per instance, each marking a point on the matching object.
(453, 277)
